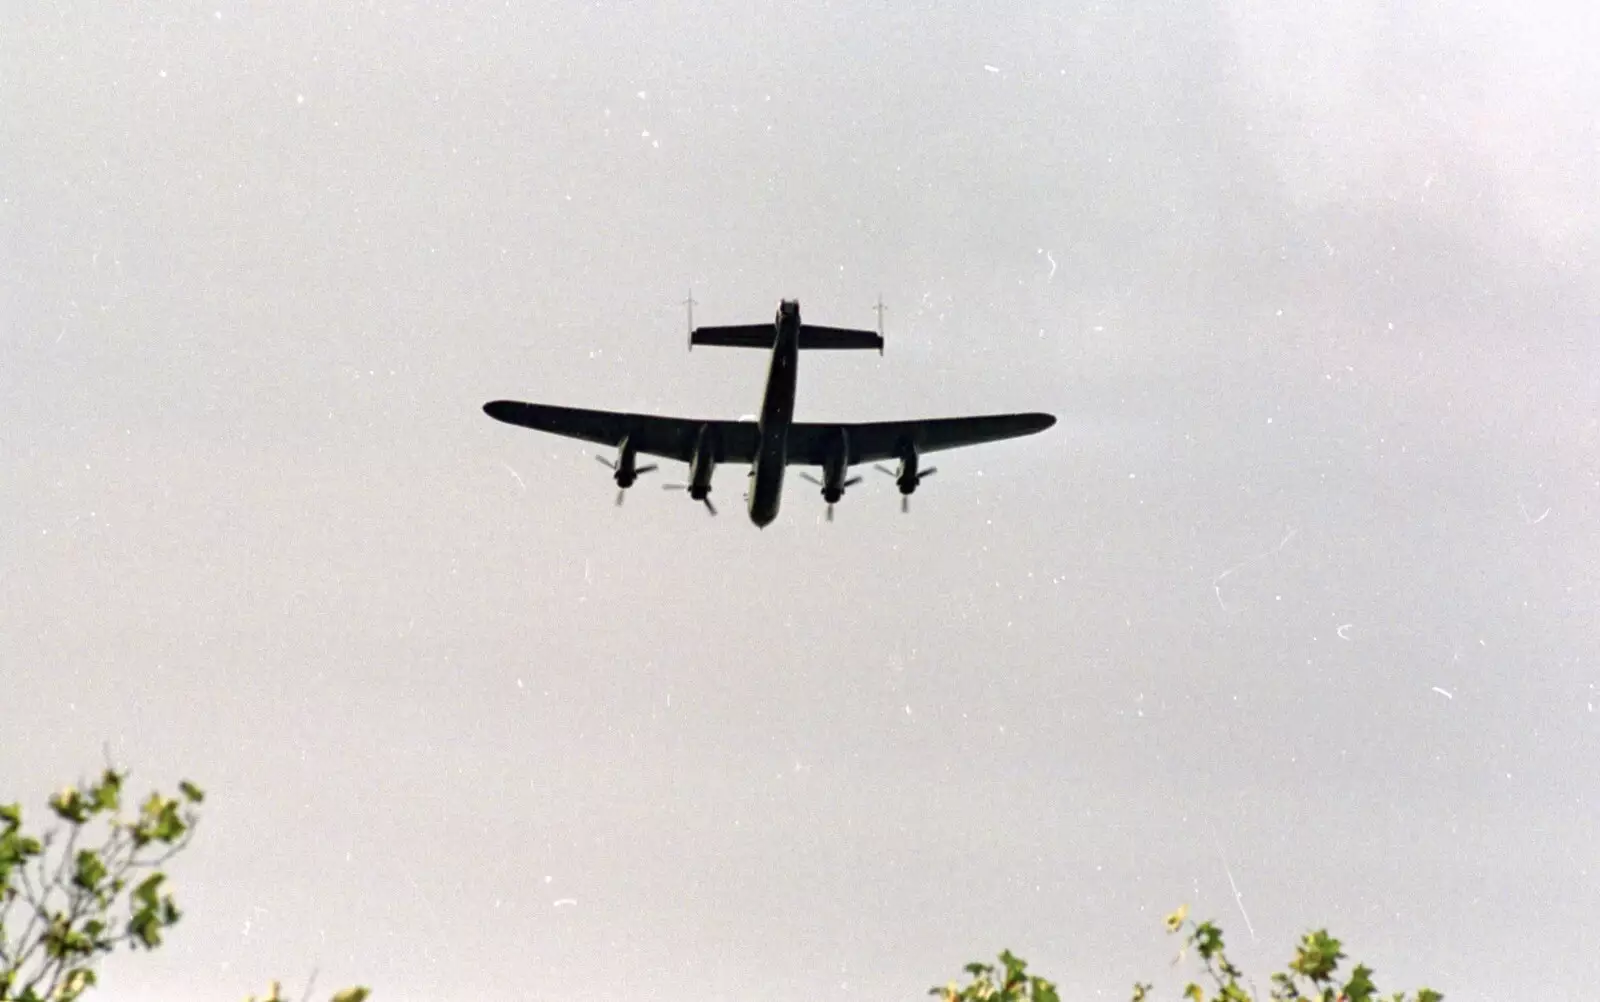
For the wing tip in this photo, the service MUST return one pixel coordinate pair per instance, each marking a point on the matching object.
(500, 410)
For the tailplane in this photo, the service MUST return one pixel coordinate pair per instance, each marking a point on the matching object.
(762, 336)
(839, 338)
(811, 337)
(738, 336)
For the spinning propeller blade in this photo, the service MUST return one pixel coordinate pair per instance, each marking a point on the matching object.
(848, 483)
(930, 471)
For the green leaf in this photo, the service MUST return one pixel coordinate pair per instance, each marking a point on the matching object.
(1429, 995)
(15, 850)
(1360, 987)
(70, 806)
(356, 994)
(1014, 968)
(11, 815)
(77, 981)
(1318, 956)
(1194, 993)
(1207, 939)
(10, 849)
(193, 794)
(107, 795)
(90, 871)
(63, 942)
(172, 826)
(145, 928)
(144, 829)
(145, 894)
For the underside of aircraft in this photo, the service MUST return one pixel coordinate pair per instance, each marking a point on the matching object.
(774, 441)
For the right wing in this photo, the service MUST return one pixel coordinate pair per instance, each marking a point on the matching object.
(879, 440)
(667, 437)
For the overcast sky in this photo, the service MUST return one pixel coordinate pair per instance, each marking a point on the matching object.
(1290, 618)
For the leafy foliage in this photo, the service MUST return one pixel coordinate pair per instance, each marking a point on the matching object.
(1313, 975)
(74, 894)
(80, 894)
(1010, 982)
(275, 994)
(68, 898)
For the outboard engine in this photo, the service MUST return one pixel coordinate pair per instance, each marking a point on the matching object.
(625, 469)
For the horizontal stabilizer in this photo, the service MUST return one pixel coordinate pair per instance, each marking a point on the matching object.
(839, 338)
(740, 336)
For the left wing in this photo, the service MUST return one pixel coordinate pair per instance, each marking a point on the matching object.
(667, 437)
(878, 440)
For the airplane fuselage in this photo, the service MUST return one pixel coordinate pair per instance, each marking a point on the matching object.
(777, 414)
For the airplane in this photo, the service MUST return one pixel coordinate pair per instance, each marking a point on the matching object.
(775, 440)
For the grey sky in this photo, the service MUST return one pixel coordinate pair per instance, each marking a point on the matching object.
(1302, 588)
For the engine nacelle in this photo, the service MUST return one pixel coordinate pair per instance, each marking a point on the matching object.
(835, 471)
(625, 469)
(835, 466)
(905, 473)
(702, 464)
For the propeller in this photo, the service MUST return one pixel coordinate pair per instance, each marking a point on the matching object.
(905, 498)
(805, 474)
(848, 483)
(611, 465)
(930, 471)
(683, 487)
